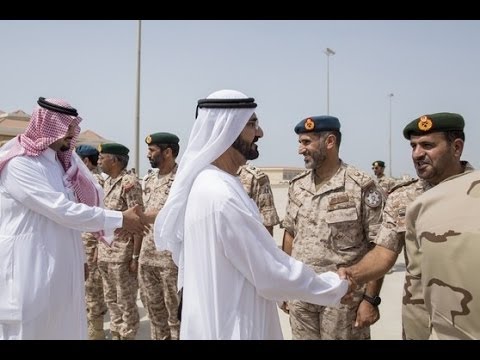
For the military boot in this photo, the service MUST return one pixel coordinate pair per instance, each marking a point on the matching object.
(95, 329)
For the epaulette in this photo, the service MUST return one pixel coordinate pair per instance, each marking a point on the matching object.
(361, 178)
(256, 172)
(402, 184)
(301, 175)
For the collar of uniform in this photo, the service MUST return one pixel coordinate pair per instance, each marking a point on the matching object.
(335, 182)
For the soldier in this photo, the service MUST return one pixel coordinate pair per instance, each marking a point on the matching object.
(118, 263)
(437, 142)
(385, 183)
(96, 307)
(332, 216)
(257, 186)
(158, 273)
(443, 254)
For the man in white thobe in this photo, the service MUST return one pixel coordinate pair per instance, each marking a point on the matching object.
(47, 198)
(231, 271)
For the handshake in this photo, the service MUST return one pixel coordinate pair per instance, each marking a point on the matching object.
(347, 274)
(347, 299)
(137, 222)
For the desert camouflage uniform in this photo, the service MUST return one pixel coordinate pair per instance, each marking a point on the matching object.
(442, 243)
(414, 312)
(158, 273)
(119, 284)
(385, 183)
(257, 186)
(96, 306)
(331, 227)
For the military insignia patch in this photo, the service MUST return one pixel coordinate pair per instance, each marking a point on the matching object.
(424, 123)
(148, 139)
(99, 148)
(309, 124)
(373, 197)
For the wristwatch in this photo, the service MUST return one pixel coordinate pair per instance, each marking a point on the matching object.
(135, 257)
(374, 300)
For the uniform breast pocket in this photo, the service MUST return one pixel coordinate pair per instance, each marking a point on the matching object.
(342, 226)
(341, 215)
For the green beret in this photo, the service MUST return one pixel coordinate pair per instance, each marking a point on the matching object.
(427, 124)
(317, 124)
(162, 138)
(379, 163)
(113, 148)
(86, 150)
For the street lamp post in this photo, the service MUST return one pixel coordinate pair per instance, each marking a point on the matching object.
(137, 106)
(390, 97)
(329, 52)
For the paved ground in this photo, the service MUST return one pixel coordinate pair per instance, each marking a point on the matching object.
(387, 328)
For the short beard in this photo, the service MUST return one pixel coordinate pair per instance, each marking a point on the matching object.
(153, 164)
(249, 151)
(318, 159)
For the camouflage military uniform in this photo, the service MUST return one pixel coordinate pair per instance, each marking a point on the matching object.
(392, 232)
(332, 226)
(158, 273)
(442, 243)
(392, 236)
(257, 186)
(119, 284)
(96, 307)
(386, 184)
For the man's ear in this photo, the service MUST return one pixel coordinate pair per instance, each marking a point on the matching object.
(458, 145)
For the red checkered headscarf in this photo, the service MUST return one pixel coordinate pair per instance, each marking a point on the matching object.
(49, 123)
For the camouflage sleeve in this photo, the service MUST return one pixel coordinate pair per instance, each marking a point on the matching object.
(415, 317)
(263, 197)
(291, 212)
(372, 211)
(132, 191)
(134, 195)
(391, 234)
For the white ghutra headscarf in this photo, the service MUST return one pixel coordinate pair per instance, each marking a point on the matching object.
(221, 118)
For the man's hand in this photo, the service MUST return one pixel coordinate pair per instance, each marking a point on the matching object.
(367, 315)
(345, 273)
(134, 222)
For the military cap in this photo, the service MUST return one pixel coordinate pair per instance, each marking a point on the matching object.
(434, 123)
(113, 148)
(379, 163)
(317, 124)
(86, 150)
(162, 138)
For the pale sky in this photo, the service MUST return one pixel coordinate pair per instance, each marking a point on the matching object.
(429, 66)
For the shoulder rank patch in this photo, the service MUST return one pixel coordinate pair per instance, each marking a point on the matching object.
(299, 176)
(373, 197)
